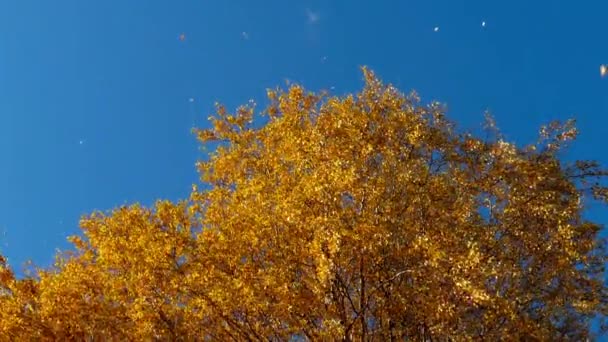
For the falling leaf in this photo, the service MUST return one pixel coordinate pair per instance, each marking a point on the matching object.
(313, 17)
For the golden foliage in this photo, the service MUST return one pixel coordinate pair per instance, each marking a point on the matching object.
(354, 218)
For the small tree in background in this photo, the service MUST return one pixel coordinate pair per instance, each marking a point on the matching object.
(363, 217)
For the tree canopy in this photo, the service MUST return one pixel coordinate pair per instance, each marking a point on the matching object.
(362, 217)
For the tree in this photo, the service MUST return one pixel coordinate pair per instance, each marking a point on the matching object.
(364, 217)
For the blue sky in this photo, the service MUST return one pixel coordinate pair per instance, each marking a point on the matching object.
(95, 106)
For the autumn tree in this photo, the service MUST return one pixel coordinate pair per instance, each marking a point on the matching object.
(362, 217)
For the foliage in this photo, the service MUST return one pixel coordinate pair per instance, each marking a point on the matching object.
(356, 218)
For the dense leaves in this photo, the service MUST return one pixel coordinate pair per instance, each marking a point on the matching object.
(364, 217)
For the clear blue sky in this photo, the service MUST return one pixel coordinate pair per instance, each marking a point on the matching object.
(95, 106)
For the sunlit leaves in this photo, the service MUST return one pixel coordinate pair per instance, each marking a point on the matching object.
(366, 216)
